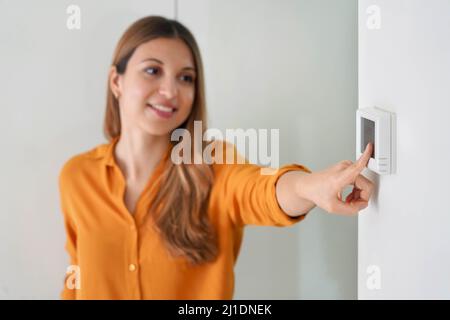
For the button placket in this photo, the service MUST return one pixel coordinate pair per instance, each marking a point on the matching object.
(133, 265)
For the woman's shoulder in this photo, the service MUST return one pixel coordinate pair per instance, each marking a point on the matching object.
(84, 161)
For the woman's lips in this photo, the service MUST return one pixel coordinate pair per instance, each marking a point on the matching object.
(162, 113)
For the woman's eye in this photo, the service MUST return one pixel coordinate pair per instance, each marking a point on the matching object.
(152, 70)
(188, 78)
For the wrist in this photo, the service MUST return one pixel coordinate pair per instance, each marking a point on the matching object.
(303, 186)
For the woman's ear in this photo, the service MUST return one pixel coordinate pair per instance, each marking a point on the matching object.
(114, 82)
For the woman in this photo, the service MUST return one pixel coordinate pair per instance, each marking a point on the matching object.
(139, 225)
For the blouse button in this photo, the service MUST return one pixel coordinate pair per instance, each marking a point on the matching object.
(131, 267)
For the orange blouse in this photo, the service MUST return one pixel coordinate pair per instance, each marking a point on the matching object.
(118, 259)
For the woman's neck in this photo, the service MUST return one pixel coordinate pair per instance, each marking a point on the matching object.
(138, 153)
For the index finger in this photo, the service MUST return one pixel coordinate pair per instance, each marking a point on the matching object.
(350, 174)
(365, 157)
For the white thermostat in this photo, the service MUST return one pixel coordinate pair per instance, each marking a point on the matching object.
(379, 127)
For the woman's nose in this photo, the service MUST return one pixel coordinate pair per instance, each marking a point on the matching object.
(168, 88)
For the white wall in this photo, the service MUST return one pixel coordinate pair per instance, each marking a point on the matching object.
(269, 64)
(405, 67)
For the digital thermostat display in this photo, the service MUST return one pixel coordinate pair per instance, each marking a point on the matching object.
(368, 134)
(378, 126)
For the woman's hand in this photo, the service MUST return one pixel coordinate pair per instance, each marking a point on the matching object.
(324, 188)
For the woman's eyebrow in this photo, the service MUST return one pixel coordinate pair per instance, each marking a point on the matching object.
(160, 62)
(153, 59)
(189, 68)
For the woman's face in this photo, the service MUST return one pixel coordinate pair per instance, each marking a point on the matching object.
(157, 90)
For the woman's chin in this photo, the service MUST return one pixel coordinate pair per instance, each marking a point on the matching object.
(155, 128)
(160, 126)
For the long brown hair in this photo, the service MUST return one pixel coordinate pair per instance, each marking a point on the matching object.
(182, 200)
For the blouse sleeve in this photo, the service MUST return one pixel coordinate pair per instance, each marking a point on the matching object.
(250, 196)
(71, 240)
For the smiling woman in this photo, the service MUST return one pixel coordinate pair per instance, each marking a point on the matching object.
(140, 226)
(154, 81)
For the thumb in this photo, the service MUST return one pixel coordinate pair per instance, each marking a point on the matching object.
(350, 208)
